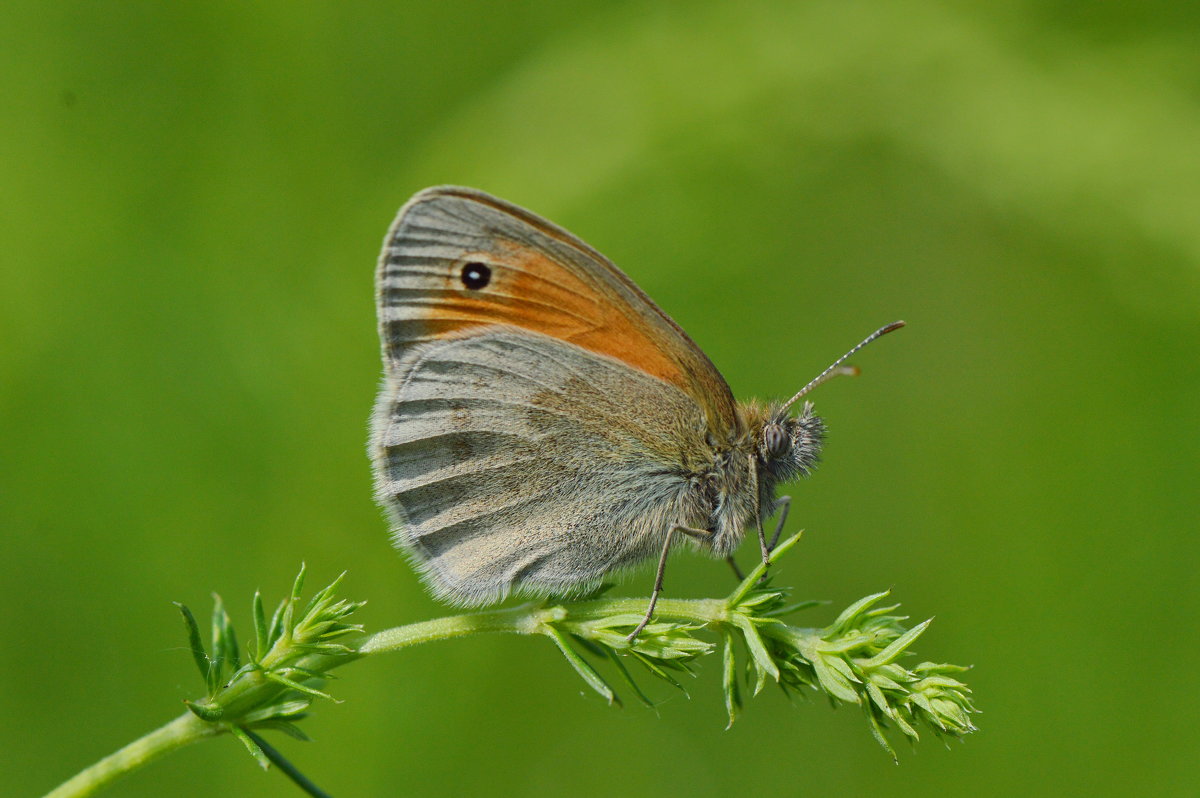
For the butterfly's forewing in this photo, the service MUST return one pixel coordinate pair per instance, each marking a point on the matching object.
(542, 278)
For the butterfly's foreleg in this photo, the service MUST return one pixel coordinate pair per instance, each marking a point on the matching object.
(700, 534)
(782, 504)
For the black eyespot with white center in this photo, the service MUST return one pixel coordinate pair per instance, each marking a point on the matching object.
(476, 275)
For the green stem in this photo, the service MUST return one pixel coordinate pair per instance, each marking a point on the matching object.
(523, 619)
(184, 730)
(701, 611)
(529, 619)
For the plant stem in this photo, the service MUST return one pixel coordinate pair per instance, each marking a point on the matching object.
(184, 730)
(528, 619)
(523, 619)
(700, 611)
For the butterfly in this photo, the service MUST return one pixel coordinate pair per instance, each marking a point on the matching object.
(542, 423)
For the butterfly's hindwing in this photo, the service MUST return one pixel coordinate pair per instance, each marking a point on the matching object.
(512, 459)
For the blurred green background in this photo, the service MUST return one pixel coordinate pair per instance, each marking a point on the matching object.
(192, 197)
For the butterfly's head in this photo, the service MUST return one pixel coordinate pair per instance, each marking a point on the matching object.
(789, 446)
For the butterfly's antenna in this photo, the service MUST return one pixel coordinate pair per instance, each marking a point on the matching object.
(837, 367)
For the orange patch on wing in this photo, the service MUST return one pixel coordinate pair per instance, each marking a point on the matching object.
(529, 290)
(559, 304)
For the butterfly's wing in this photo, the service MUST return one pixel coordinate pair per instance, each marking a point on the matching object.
(542, 278)
(508, 458)
(542, 422)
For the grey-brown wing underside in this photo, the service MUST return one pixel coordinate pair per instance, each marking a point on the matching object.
(509, 459)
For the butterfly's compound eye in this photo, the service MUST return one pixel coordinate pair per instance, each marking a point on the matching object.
(775, 440)
(476, 275)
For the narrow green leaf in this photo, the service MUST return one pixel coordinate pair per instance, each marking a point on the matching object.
(760, 680)
(627, 677)
(287, 622)
(841, 666)
(220, 620)
(797, 607)
(333, 586)
(300, 688)
(754, 644)
(310, 629)
(592, 648)
(288, 728)
(656, 668)
(854, 609)
(746, 586)
(733, 696)
(298, 585)
(922, 701)
(786, 545)
(905, 726)
(939, 682)
(261, 641)
(223, 630)
(757, 599)
(249, 667)
(294, 709)
(276, 628)
(832, 682)
(582, 667)
(879, 698)
(840, 645)
(325, 648)
(890, 671)
(881, 681)
(952, 717)
(669, 644)
(877, 733)
(752, 579)
(897, 646)
(932, 668)
(252, 747)
(196, 644)
(321, 599)
(309, 673)
(209, 712)
(232, 653)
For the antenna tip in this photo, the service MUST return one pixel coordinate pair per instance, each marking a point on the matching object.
(896, 325)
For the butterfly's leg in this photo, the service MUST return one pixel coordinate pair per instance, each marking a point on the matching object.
(736, 571)
(783, 504)
(762, 545)
(762, 536)
(766, 552)
(662, 567)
